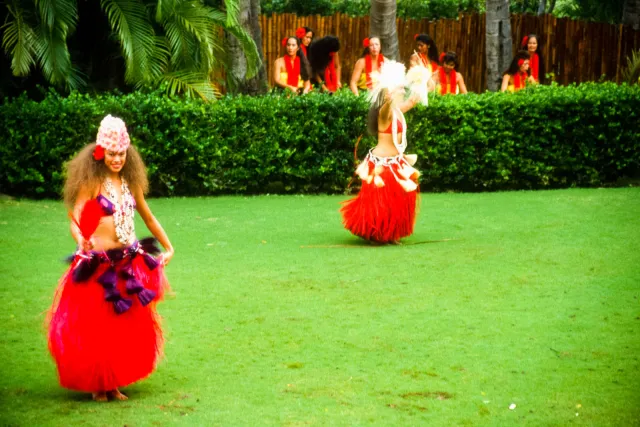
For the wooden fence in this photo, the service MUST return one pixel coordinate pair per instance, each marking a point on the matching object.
(574, 51)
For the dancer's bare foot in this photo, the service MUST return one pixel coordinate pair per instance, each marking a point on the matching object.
(115, 394)
(100, 396)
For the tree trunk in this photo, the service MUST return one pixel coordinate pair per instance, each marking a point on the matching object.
(631, 13)
(498, 41)
(383, 24)
(552, 6)
(542, 6)
(238, 83)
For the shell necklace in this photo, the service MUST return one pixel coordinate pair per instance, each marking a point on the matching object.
(123, 211)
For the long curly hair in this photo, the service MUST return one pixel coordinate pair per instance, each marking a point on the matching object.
(84, 172)
(319, 52)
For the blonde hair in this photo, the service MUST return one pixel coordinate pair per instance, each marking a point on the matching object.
(84, 172)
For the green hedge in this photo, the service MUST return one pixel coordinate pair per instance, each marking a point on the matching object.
(545, 137)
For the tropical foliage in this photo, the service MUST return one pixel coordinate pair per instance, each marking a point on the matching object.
(178, 44)
(631, 74)
(582, 135)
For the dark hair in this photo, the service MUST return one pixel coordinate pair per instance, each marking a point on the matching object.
(374, 113)
(514, 67)
(365, 52)
(450, 57)
(319, 52)
(305, 72)
(432, 50)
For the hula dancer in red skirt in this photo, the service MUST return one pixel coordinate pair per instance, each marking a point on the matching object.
(384, 211)
(104, 332)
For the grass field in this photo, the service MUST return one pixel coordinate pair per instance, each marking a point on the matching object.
(280, 317)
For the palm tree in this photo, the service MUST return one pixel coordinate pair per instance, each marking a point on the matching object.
(383, 25)
(175, 43)
(498, 34)
(237, 80)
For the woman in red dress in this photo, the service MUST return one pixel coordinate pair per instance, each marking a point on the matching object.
(324, 60)
(291, 71)
(103, 329)
(367, 66)
(426, 52)
(531, 44)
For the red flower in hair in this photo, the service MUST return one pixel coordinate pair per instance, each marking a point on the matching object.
(415, 36)
(366, 42)
(520, 62)
(525, 40)
(98, 153)
(300, 33)
(284, 41)
(442, 55)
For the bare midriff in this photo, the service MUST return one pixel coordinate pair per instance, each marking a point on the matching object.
(105, 237)
(385, 147)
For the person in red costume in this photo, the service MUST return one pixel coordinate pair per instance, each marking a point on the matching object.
(305, 37)
(291, 72)
(517, 75)
(325, 62)
(367, 66)
(426, 52)
(531, 44)
(103, 329)
(447, 79)
(385, 208)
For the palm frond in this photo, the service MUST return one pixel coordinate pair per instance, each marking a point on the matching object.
(130, 21)
(58, 13)
(249, 48)
(190, 34)
(233, 12)
(631, 74)
(19, 41)
(53, 55)
(192, 84)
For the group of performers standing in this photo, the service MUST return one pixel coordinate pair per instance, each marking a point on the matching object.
(308, 62)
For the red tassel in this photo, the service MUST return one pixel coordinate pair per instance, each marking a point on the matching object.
(89, 218)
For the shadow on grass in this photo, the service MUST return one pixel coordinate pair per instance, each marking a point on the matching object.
(361, 243)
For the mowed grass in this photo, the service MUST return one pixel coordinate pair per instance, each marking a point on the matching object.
(281, 317)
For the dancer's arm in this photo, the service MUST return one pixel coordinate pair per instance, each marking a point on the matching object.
(461, 85)
(153, 225)
(357, 72)
(83, 196)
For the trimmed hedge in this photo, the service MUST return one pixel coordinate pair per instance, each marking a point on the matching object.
(544, 137)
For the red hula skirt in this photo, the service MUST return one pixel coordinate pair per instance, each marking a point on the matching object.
(103, 328)
(385, 208)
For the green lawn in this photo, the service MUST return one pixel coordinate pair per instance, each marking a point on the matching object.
(281, 317)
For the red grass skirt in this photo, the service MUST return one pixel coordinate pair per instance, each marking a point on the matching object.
(96, 349)
(385, 208)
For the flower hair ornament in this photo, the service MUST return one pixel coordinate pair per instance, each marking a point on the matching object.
(520, 62)
(442, 55)
(525, 40)
(301, 32)
(415, 36)
(112, 136)
(284, 41)
(366, 42)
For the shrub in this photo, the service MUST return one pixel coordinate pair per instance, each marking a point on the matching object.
(544, 137)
